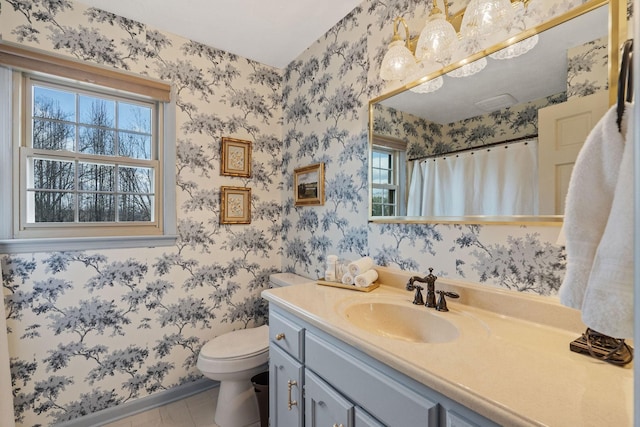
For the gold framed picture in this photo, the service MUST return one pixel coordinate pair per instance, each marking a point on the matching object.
(235, 205)
(235, 157)
(308, 185)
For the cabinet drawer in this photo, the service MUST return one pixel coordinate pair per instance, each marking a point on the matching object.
(385, 398)
(287, 335)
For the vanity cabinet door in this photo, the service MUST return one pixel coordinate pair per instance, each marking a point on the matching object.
(386, 398)
(457, 416)
(323, 406)
(365, 420)
(286, 376)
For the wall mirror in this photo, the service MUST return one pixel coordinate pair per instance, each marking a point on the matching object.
(477, 116)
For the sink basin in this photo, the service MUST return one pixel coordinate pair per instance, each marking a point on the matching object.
(402, 322)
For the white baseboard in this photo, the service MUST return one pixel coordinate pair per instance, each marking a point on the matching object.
(143, 404)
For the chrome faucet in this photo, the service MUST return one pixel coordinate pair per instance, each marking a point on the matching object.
(430, 280)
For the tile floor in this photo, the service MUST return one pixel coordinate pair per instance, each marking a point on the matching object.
(195, 411)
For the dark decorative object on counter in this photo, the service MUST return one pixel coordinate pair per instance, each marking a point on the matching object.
(603, 347)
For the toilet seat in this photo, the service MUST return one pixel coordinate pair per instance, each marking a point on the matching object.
(235, 351)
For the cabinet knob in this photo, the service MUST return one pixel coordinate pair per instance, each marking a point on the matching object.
(291, 403)
(338, 425)
(280, 336)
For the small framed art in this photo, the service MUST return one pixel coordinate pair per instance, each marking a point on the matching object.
(235, 157)
(235, 205)
(308, 185)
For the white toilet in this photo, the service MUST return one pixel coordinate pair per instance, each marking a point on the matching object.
(233, 358)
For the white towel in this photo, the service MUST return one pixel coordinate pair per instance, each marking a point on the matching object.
(365, 279)
(360, 266)
(588, 203)
(608, 301)
(347, 279)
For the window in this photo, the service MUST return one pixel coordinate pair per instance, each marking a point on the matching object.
(88, 164)
(387, 168)
(89, 160)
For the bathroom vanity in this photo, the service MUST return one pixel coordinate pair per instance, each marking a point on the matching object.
(345, 358)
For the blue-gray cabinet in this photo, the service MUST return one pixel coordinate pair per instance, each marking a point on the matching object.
(317, 380)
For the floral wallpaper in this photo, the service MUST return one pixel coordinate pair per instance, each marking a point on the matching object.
(427, 138)
(96, 329)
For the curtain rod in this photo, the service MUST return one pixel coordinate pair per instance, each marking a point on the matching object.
(479, 147)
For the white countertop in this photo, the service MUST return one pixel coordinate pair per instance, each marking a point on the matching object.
(515, 372)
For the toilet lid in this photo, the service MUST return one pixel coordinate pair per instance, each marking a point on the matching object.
(238, 344)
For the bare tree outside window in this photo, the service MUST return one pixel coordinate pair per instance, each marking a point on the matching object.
(99, 184)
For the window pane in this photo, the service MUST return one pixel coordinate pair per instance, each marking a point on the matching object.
(93, 207)
(96, 177)
(135, 207)
(53, 135)
(133, 117)
(387, 161)
(97, 111)
(96, 141)
(377, 196)
(375, 159)
(53, 175)
(135, 180)
(389, 210)
(52, 206)
(375, 176)
(54, 104)
(134, 145)
(390, 196)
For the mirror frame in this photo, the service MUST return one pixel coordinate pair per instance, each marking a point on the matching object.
(617, 33)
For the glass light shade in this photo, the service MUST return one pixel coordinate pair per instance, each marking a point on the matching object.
(438, 40)
(483, 18)
(398, 62)
(428, 87)
(516, 49)
(469, 69)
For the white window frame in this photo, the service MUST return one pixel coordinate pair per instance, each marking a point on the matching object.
(397, 149)
(14, 238)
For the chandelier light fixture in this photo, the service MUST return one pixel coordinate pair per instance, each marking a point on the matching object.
(487, 21)
(484, 23)
(438, 39)
(469, 69)
(398, 62)
(429, 86)
(521, 47)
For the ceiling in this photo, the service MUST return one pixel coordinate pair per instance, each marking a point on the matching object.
(273, 32)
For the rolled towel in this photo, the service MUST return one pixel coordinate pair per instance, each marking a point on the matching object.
(365, 279)
(347, 279)
(360, 266)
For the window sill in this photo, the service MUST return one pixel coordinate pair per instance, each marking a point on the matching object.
(14, 246)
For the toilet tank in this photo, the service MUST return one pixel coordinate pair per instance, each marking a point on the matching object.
(278, 280)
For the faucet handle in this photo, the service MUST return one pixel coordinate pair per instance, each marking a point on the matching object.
(417, 299)
(442, 302)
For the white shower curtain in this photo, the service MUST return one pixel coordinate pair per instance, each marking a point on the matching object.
(501, 180)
